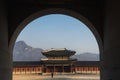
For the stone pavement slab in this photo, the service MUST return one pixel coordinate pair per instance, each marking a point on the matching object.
(56, 77)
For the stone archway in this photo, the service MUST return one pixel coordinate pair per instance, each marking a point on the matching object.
(56, 11)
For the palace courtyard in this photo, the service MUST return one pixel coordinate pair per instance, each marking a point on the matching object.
(55, 77)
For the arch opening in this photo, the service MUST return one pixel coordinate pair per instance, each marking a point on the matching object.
(55, 11)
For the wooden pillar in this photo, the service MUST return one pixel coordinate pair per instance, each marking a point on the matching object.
(19, 70)
(63, 68)
(76, 68)
(14, 70)
(41, 69)
(44, 68)
(30, 69)
(86, 69)
(25, 70)
(47, 68)
(71, 68)
(97, 70)
(91, 69)
(82, 69)
(35, 68)
(53, 68)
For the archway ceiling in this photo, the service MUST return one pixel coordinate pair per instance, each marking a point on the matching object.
(18, 10)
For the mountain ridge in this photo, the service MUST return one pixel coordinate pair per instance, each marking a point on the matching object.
(24, 52)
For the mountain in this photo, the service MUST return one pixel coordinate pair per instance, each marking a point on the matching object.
(86, 57)
(23, 52)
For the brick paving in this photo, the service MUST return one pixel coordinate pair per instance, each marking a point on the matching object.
(56, 77)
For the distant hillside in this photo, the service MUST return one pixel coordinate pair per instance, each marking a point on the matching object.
(23, 52)
(86, 57)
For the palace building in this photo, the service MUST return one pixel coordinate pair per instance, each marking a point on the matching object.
(57, 61)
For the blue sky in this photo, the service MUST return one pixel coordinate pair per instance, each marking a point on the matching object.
(59, 31)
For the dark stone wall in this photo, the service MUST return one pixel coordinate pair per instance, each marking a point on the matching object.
(103, 14)
(21, 9)
(5, 56)
(111, 55)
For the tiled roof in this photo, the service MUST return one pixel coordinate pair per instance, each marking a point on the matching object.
(38, 63)
(60, 61)
(58, 52)
(19, 63)
(88, 63)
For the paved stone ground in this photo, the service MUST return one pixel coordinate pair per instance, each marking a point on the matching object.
(56, 77)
